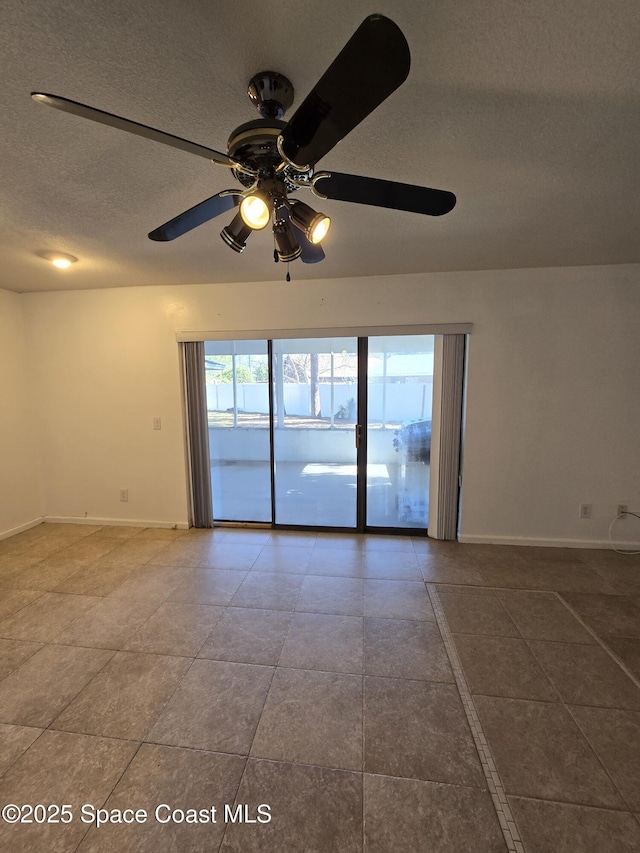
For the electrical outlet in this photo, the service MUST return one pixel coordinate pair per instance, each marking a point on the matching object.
(157, 423)
(622, 508)
(585, 510)
(124, 494)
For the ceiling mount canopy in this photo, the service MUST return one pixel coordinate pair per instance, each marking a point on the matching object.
(271, 159)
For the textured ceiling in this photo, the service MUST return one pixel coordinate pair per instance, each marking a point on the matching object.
(529, 112)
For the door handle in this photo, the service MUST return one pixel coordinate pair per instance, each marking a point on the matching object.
(358, 429)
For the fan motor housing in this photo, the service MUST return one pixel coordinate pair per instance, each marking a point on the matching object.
(254, 145)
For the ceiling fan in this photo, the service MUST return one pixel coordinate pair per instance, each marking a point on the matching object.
(272, 159)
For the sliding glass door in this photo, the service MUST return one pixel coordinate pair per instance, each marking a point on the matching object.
(315, 394)
(321, 432)
(398, 430)
(237, 380)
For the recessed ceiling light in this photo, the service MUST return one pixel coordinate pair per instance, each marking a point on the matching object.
(59, 259)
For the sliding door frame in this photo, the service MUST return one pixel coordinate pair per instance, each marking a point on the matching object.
(361, 433)
(272, 437)
(362, 334)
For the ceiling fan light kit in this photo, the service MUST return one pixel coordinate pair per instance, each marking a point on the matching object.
(255, 210)
(314, 225)
(272, 159)
(287, 246)
(235, 234)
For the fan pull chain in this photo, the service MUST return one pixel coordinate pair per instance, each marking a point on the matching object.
(288, 276)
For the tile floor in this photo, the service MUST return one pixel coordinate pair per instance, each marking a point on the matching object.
(330, 677)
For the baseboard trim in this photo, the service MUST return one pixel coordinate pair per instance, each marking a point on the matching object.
(540, 542)
(115, 522)
(5, 534)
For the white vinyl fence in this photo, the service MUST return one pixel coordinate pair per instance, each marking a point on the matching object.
(391, 402)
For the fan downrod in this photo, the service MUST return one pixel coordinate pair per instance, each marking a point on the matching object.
(271, 93)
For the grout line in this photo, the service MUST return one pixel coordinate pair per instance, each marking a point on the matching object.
(8, 767)
(235, 798)
(494, 782)
(600, 642)
(576, 722)
(115, 785)
(248, 756)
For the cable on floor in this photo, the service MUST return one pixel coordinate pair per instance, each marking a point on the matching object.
(617, 518)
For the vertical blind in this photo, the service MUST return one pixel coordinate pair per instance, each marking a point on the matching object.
(453, 348)
(198, 433)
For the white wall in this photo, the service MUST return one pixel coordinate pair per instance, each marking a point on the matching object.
(553, 413)
(553, 397)
(20, 501)
(107, 364)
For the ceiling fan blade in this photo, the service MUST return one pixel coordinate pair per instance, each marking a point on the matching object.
(385, 193)
(373, 63)
(195, 216)
(111, 120)
(312, 253)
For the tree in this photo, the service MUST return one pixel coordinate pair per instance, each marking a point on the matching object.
(243, 374)
(296, 367)
(260, 372)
